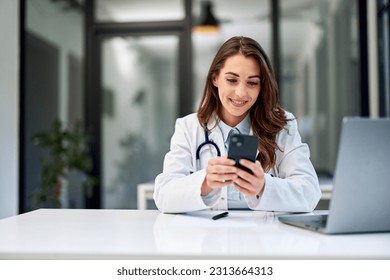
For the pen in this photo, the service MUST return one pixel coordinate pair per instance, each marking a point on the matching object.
(219, 216)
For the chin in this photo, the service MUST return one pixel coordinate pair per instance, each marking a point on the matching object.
(239, 113)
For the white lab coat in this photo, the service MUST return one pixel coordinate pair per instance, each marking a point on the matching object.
(292, 185)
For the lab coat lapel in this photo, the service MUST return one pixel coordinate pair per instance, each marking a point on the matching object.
(216, 134)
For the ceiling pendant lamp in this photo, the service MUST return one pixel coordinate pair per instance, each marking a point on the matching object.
(208, 23)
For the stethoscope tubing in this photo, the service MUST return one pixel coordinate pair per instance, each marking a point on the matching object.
(206, 142)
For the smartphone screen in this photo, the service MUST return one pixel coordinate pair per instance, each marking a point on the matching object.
(243, 146)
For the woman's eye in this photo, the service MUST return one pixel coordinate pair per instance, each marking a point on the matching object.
(231, 80)
(253, 84)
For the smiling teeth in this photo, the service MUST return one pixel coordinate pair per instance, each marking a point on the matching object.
(238, 102)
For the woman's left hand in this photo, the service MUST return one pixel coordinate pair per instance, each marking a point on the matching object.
(250, 184)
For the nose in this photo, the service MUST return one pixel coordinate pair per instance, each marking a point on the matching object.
(241, 90)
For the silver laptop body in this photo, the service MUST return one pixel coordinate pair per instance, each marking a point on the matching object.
(360, 199)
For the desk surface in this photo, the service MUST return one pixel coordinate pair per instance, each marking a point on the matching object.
(149, 234)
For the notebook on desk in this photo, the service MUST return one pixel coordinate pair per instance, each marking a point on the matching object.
(360, 200)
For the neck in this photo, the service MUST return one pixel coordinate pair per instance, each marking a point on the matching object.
(233, 121)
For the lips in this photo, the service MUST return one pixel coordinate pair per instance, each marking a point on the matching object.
(238, 103)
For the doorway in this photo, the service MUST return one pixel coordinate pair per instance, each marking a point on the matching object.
(138, 81)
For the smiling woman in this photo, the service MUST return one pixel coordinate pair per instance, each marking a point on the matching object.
(238, 86)
(236, 98)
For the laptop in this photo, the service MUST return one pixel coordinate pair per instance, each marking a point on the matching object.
(360, 199)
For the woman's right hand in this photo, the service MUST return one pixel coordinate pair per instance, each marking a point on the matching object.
(220, 172)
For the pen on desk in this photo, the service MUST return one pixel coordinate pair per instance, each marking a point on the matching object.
(219, 216)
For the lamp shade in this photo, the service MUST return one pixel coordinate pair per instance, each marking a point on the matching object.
(207, 21)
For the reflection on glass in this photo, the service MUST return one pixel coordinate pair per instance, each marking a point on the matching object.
(319, 43)
(53, 84)
(139, 109)
(139, 10)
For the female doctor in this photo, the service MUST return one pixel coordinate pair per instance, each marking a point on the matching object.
(240, 93)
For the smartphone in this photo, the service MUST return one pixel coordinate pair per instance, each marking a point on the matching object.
(242, 146)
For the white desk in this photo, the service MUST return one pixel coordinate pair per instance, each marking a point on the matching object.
(148, 234)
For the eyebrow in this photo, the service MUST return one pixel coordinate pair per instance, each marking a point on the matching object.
(234, 74)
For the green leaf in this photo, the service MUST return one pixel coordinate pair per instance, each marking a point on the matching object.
(64, 150)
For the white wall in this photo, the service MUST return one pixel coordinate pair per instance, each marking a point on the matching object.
(9, 107)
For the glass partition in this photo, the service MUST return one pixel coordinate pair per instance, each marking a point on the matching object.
(139, 109)
(53, 87)
(320, 79)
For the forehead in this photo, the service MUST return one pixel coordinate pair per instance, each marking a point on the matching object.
(238, 63)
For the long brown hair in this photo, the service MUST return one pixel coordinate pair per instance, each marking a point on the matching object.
(266, 115)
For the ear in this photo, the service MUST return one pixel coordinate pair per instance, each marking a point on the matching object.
(214, 81)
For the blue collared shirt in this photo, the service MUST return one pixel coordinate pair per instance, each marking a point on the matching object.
(244, 127)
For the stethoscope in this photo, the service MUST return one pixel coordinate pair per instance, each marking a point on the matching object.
(206, 142)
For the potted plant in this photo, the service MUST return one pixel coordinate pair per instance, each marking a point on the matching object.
(67, 151)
